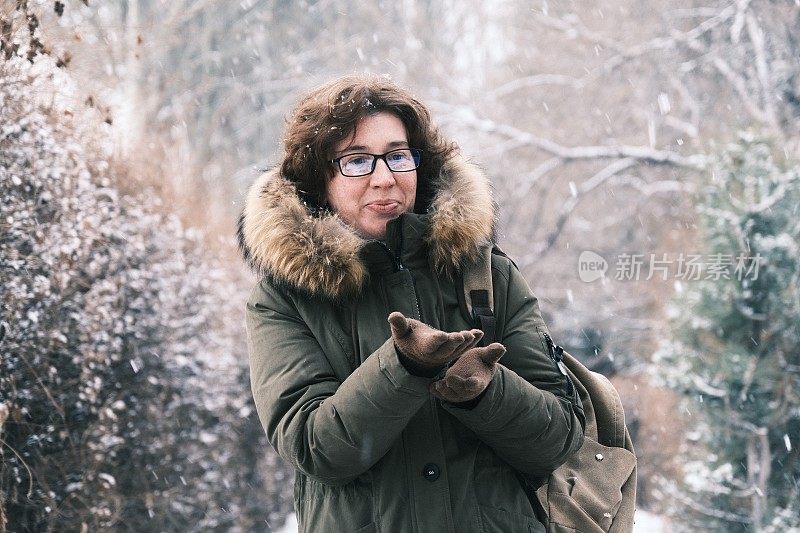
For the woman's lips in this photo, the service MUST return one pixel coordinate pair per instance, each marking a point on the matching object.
(384, 207)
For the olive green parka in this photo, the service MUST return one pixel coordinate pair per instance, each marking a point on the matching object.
(373, 449)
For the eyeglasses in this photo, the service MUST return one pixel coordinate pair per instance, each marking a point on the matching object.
(357, 165)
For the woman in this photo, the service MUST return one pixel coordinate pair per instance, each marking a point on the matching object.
(365, 366)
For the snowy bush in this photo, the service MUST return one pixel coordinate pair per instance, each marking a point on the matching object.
(124, 402)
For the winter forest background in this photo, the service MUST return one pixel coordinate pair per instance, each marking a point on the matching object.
(658, 141)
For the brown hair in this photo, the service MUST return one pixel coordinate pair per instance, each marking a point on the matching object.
(329, 113)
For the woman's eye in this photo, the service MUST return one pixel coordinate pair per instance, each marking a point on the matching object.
(358, 161)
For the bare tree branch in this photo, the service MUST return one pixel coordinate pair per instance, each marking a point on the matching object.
(681, 125)
(571, 203)
(691, 102)
(536, 174)
(543, 194)
(738, 20)
(740, 86)
(707, 388)
(565, 153)
(610, 175)
(573, 27)
(756, 35)
(716, 513)
(537, 80)
(30, 474)
(657, 187)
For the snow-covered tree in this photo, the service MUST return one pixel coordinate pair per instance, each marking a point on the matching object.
(736, 357)
(123, 399)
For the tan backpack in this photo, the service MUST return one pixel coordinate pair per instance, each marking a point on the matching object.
(595, 490)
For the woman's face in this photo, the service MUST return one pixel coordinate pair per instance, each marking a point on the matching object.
(368, 202)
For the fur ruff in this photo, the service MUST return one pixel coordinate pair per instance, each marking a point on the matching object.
(320, 255)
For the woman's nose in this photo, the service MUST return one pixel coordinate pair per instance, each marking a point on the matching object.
(382, 176)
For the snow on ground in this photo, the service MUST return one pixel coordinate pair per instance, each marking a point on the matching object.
(646, 522)
(290, 526)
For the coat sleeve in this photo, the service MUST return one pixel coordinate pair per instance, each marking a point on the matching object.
(330, 430)
(530, 415)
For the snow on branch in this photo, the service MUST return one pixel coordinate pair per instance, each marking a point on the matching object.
(756, 35)
(643, 154)
(537, 80)
(572, 27)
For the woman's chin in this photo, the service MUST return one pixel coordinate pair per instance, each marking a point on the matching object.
(376, 228)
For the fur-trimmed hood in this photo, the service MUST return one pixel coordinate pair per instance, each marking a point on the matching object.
(279, 238)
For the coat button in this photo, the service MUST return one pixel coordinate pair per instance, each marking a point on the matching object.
(599, 457)
(431, 472)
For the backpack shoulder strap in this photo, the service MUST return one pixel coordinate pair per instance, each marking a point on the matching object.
(479, 294)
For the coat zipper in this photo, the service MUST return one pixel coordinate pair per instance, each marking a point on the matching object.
(398, 265)
(395, 256)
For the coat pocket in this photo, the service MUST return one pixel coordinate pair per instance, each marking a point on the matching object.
(585, 493)
(325, 508)
(494, 520)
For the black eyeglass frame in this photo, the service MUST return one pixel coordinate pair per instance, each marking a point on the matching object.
(416, 155)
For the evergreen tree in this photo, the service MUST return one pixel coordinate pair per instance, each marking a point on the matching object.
(736, 353)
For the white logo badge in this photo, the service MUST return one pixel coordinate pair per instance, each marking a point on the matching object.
(591, 266)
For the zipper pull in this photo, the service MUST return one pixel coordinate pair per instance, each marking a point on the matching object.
(550, 346)
(557, 355)
(556, 351)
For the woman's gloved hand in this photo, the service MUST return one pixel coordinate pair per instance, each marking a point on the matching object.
(470, 375)
(429, 347)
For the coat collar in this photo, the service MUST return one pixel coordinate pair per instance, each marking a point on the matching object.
(279, 238)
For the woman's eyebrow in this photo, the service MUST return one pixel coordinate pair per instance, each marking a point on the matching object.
(354, 148)
(395, 144)
(361, 148)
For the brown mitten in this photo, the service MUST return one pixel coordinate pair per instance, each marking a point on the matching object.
(470, 375)
(429, 347)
